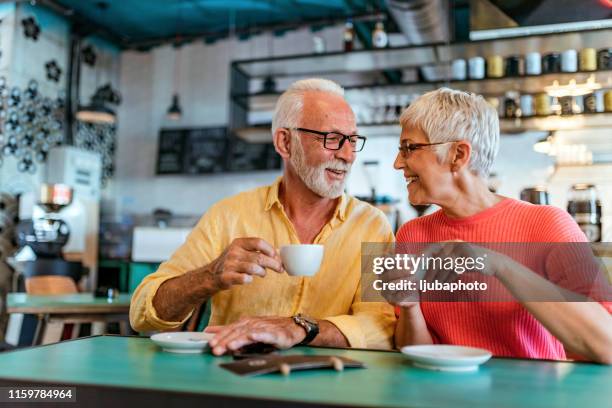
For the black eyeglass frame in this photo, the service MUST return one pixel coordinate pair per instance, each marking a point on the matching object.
(341, 143)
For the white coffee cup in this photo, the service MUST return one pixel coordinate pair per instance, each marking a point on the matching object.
(302, 259)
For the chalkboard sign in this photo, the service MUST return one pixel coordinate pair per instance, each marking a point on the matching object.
(244, 156)
(205, 150)
(211, 150)
(170, 152)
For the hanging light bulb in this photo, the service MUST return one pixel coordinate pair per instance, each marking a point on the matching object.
(174, 111)
(96, 112)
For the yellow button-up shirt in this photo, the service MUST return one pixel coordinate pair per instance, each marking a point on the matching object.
(332, 294)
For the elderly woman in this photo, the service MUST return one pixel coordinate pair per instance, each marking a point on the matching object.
(448, 142)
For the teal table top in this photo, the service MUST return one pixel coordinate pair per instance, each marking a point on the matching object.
(389, 381)
(74, 303)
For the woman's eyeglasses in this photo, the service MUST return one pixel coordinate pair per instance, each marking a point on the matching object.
(407, 148)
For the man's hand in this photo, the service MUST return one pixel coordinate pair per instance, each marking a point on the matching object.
(281, 332)
(241, 260)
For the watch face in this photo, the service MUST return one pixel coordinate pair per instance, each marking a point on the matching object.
(309, 321)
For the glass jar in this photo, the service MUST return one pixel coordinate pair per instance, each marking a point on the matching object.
(584, 206)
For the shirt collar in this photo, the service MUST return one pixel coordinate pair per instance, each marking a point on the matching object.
(272, 199)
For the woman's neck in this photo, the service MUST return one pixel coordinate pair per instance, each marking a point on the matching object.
(471, 196)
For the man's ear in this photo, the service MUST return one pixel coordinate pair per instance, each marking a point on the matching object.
(282, 142)
(462, 151)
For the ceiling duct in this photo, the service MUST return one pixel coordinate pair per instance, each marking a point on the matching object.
(421, 21)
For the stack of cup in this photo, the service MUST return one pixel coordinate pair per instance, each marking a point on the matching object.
(459, 70)
(588, 59)
(495, 66)
(551, 63)
(526, 103)
(533, 63)
(514, 66)
(604, 58)
(569, 61)
(476, 68)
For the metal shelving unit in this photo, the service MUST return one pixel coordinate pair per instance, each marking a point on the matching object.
(436, 56)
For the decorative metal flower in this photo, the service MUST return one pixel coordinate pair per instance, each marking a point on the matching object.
(30, 28)
(53, 71)
(89, 55)
(30, 124)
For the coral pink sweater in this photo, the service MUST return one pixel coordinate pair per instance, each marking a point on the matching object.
(505, 328)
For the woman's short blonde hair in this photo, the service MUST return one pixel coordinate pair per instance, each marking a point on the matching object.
(446, 115)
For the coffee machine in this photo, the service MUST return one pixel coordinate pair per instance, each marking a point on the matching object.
(65, 212)
(46, 234)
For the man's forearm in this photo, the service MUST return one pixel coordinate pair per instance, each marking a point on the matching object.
(178, 296)
(329, 335)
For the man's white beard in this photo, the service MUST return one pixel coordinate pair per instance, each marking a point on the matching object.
(314, 176)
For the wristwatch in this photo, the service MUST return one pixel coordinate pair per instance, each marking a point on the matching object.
(310, 325)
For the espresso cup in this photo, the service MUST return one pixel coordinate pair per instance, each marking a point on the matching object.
(302, 259)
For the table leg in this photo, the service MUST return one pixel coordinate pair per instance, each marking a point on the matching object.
(53, 332)
(40, 328)
(13, 330)
(124, 328)
(98, 328)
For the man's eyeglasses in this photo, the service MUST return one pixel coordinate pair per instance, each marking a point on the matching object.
(335, 140)
(406, 149)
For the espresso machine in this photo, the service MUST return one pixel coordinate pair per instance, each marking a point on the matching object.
(46, 234)
(64, 213)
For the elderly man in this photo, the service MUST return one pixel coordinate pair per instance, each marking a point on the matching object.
(230, 259)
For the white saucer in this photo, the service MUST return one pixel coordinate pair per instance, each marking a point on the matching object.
(182, 342)
(443, 357)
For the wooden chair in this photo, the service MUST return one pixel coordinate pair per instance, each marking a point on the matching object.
(50, 285)
(54, 285)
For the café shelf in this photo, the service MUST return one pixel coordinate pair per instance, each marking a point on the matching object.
(490, 87)
(418, 56)
(410, 59)
(261, 132)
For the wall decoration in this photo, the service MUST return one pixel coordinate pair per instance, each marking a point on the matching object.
(31, 29)
(8, 222)
(89, 55)
(30, 124)
(53, 71)
(99, 138)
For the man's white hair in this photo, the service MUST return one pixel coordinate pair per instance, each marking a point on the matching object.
(446, 115)
(289, 106)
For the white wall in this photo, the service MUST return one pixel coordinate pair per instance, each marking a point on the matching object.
(147, 85)
(24, 59)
